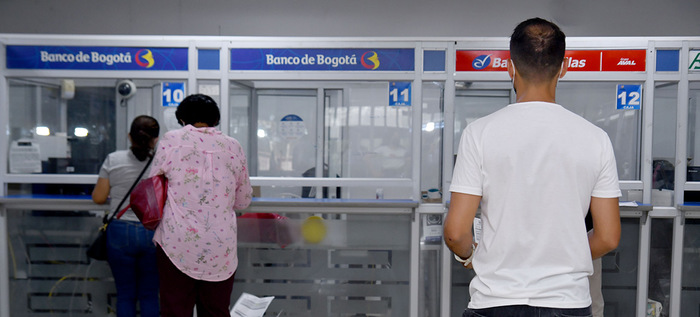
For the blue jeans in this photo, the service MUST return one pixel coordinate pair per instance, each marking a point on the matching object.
(528, 311)
(132, 257)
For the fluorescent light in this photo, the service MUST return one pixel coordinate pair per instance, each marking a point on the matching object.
(80, 132)
(42, 131)
(261, 133)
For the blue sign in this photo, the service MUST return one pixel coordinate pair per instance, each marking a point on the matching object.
(173, 93)
(629, 97)
(96, 58)
(400, 93)
(401, 59)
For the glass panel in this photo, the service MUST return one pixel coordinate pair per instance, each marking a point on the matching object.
(431, 138)
(52, 134)
(376, 138)
(690, 282)
(476, 100)
(330, 265)
(240, 104)
(286, 133)
(430, 265)
(660, 257)
(693, 139)
(363, 137)
(49, 271)
(663, 148)
(620, 268)
(596, 103)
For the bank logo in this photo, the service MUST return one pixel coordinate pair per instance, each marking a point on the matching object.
(481, 62)
(370, 60)
(144, 58)
(695, 61)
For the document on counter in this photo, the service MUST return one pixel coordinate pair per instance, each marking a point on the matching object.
(251, 306)
(628, 204)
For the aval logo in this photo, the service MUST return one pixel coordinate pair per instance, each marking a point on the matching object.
(695, 61)
(370, 60)
(481, 62)
(144, 58)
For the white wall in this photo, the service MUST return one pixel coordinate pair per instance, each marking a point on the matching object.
(450, 18)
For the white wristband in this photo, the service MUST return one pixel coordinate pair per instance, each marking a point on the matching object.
(467, 261)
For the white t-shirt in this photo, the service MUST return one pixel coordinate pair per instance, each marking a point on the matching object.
(536, 166)
(121, 168)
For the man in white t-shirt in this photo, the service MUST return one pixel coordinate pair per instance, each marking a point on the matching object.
(535, 168)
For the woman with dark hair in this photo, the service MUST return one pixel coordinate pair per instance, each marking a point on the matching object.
(207, 182)
(130, 252)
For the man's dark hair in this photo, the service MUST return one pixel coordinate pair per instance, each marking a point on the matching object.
(537, 49)
(198, 108)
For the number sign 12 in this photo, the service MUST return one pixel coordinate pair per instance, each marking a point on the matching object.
(629, 97)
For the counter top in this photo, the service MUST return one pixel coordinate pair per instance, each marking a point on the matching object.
(84, 202)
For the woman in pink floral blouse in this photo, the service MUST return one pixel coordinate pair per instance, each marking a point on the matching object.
(207, 182)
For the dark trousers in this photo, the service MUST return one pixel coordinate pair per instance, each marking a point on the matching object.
(527, 311)
(179, 293)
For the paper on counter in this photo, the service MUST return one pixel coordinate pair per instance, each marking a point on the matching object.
(251, 306)
(628, 204)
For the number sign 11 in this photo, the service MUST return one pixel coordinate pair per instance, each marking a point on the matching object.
(629, 97)
(400, 93)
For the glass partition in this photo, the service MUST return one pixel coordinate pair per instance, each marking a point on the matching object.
(60, 126)
(660, 257)
(664, 143)
(690, 283)
(693, 172)
(620, 268)
(431, 141)
(55, 133)
(287, 127)
(327, 264)
(596, 102)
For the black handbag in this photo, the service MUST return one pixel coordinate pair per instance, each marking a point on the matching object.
(98, 248)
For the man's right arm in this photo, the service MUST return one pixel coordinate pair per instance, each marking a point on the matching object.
(458, 224)
(605, 235)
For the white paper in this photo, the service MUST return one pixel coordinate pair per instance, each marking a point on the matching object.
(25, 157)
(629, 203)
(251, 306)
(477, 230)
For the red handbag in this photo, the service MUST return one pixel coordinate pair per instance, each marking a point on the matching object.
(148, 199)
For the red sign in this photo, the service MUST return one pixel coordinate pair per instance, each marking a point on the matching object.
(579, 61)
(486, 61)
(624, 61)
(583, 61)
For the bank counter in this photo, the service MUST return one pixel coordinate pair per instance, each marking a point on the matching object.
(317, 257)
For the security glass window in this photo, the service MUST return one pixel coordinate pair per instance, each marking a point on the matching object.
(693, 139)
(596, 102)
(287, 128)
(58, 126)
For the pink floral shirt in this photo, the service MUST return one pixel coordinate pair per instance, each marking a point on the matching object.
(207, 181)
